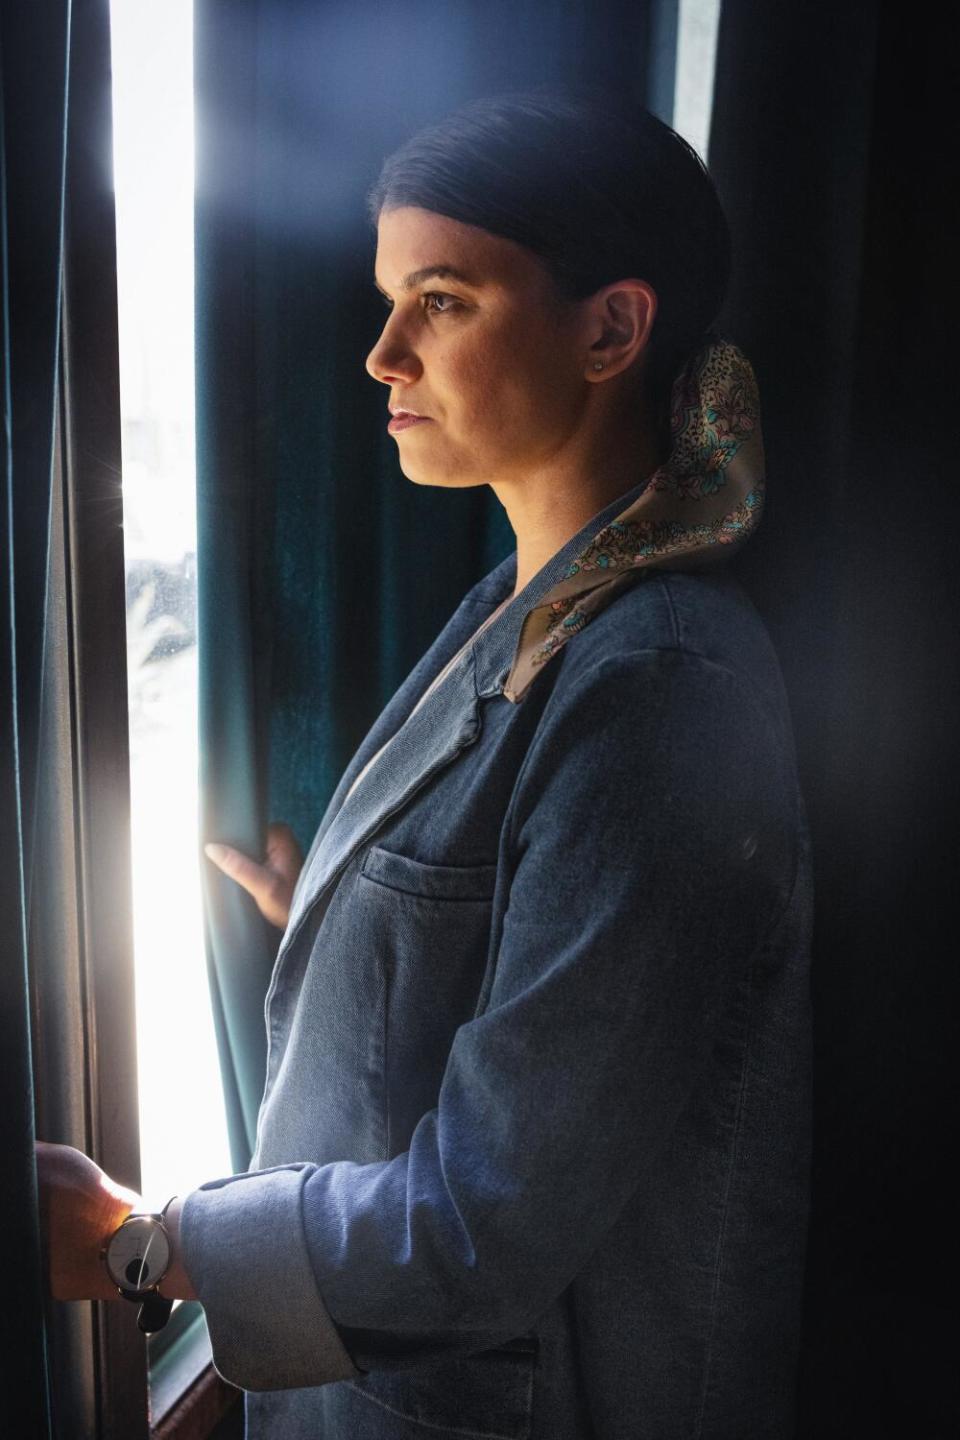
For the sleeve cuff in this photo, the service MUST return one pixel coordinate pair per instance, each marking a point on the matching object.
(245, 1250)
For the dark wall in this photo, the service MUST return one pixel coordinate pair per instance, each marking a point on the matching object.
(830, 147)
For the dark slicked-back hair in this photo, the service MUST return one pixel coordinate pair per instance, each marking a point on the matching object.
(594, 185)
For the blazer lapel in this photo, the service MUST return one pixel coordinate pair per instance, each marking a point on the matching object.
(419, 745)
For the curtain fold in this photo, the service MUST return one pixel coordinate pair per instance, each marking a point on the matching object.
(323, 572)
(34, 47)
(830, 151)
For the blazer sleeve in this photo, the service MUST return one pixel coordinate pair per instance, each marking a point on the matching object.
(651, 846)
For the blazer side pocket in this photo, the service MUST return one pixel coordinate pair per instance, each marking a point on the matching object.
(485, 1396)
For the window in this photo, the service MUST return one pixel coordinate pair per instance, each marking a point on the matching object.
(697, 25)
(153, 176)
(182, 1126)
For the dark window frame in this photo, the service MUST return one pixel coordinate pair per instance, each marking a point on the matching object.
(83, 1003)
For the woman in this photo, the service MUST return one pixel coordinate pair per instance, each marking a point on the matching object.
(532, 1153)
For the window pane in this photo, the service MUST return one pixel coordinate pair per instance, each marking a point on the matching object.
(183, 1134)
(697, 25)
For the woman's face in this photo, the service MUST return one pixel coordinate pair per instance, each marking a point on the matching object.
(489, 355)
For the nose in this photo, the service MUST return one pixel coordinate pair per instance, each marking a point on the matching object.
(391, 359)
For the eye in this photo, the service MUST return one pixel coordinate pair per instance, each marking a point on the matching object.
(429, 295)
(439, 295)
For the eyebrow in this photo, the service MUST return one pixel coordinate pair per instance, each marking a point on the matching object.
(430, 272)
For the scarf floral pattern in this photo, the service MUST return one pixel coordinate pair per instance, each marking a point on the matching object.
(699, 506)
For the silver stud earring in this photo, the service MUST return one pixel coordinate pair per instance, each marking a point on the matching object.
(598, 364)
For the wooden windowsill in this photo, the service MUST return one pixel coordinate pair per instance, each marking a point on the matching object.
(200, 1409)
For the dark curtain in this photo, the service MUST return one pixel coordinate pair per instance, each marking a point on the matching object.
(323, 572)
(829, 147)
(34, 42)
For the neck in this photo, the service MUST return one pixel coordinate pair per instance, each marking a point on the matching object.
(547, 509)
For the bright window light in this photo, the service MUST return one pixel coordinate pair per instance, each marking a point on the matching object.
(697, 25)
(183, 1134)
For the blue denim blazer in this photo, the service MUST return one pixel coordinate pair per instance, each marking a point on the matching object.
(532, 1158)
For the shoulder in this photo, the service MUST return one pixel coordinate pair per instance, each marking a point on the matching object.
(669, 700)
(689, 621)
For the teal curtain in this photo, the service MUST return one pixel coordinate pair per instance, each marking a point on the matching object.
(323, 572)
(34, 45)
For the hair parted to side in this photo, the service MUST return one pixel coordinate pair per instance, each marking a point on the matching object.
(594, 185)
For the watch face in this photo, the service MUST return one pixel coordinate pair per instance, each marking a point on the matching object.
(138, 1253)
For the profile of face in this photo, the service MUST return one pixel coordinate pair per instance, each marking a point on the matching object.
(478, 342)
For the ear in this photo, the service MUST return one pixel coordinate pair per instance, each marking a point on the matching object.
(620, 320)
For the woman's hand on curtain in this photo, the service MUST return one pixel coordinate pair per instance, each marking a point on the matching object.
(80, 1207)
(272, 883)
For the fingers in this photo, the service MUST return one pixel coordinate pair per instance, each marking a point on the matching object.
(270, 885)
(283, 853)
(238, 866)
(246, 872)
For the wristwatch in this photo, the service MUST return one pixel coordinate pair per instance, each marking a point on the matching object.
(137, 1256)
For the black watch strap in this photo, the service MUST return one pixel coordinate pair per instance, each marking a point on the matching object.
(154, 1313)
(155, 1310)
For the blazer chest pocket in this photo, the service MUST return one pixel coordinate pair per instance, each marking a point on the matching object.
(427, 930)
(428, 882)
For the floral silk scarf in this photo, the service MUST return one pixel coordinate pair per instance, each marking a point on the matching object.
(698, 507)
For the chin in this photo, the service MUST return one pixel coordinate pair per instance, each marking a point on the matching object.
(443, 479)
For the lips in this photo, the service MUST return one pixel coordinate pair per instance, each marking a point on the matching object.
(403, 419)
